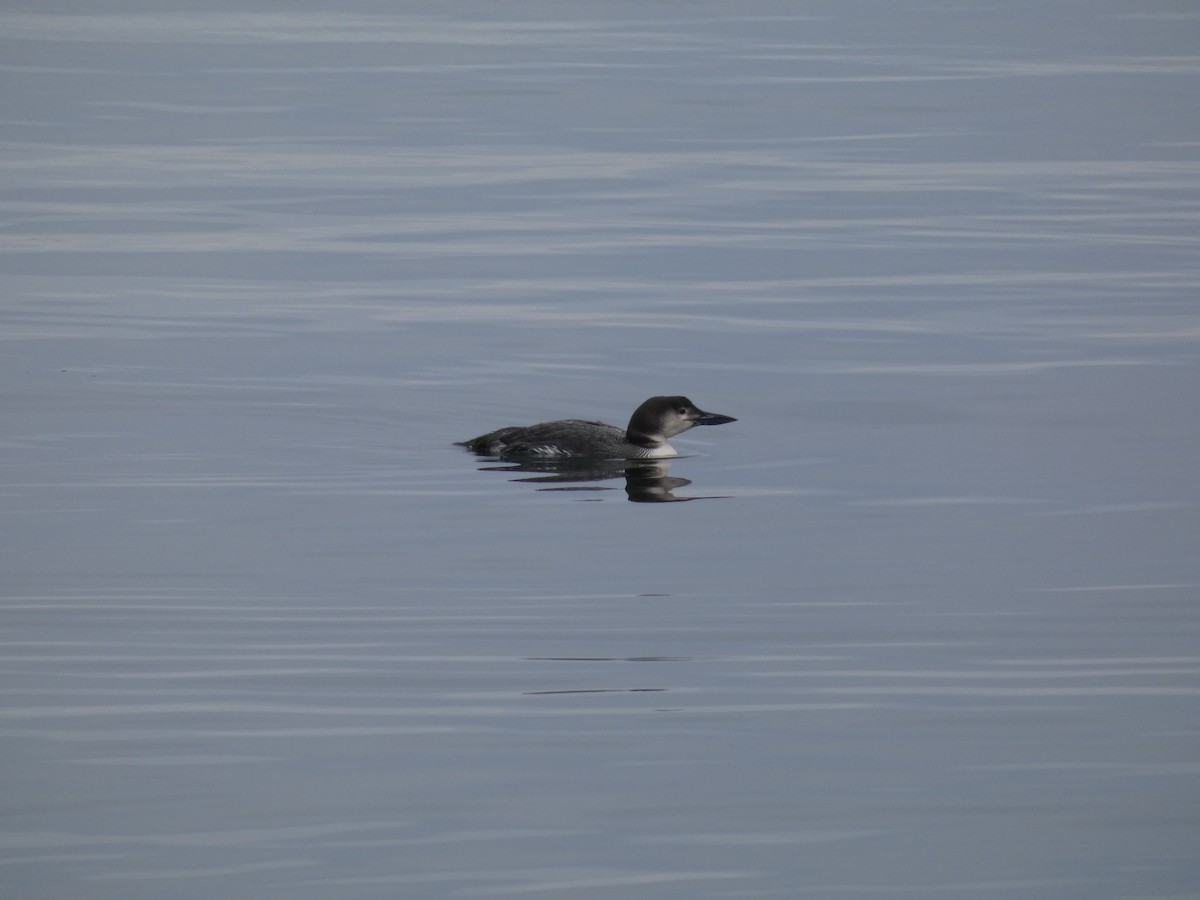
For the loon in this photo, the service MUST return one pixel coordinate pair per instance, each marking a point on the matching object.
(652, 423)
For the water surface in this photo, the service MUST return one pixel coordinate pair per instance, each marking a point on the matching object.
(927, 629)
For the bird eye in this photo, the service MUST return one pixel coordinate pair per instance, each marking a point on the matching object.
(683, 410)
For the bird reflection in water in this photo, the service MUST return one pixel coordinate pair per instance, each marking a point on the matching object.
(646, 480)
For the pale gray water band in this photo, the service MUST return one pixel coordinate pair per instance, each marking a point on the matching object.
(930, 627)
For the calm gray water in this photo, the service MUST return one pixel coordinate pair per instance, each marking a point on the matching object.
(930, 626)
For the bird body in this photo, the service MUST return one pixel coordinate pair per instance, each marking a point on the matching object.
(652, 423)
